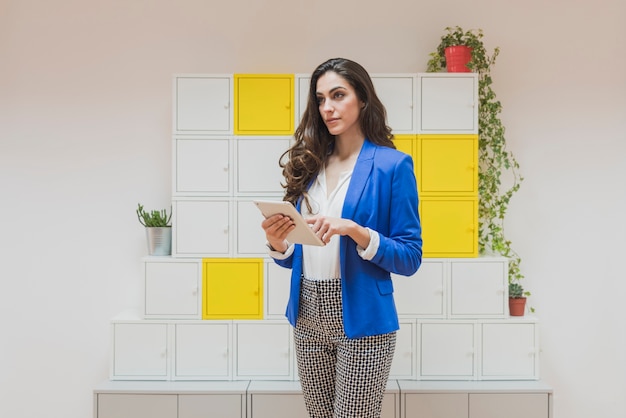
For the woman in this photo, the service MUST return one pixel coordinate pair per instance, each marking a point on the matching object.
(359, 196)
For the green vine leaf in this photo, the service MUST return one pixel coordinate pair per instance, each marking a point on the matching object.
(495, 160)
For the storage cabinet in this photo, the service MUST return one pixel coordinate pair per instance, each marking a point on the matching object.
(479, 288)
(518, 405)
(475, 399)
(447, 165)
(258, 172)
(285, 400)
(510, 350)
(435, 405)
(202, 166)
(448, 103)
(139, 351)
(449, 226)
(201, 227)
(264, 104)
(405, 143)
(404, 365)
(136, 405)
(397, 93)
(422, 294)
(277, 283)
(447, 350)
(264, 350)
(171, 288)
(205, 405)
(250, 236)
(202, 351)
(232, 288)
(170, 399)
(202, 104)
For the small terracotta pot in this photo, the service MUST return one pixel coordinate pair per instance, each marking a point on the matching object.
(517, 306)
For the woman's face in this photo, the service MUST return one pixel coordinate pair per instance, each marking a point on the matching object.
(338, 105)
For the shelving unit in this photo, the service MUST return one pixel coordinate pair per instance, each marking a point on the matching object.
(211, 334)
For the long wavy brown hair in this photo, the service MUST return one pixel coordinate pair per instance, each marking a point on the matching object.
(313, 143)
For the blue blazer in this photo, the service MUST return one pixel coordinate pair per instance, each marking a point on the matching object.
(382, 195)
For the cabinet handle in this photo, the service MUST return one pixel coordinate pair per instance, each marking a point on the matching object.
(225, 168)
(194, 291)
(226, 229)
(227, 105)
(164, 352)
(288, 106)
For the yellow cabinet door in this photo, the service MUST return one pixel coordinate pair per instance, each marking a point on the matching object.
(264, 104)
(449, 226)
(447, 165)
(232, 288)
(404, 143)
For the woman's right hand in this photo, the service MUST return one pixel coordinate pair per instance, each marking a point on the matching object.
(277, 227)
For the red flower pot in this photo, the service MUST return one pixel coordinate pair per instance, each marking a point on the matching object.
(457, 58)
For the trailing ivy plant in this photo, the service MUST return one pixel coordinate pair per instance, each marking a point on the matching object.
(494, 159)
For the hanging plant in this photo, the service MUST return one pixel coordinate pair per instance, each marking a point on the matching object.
(495, 160)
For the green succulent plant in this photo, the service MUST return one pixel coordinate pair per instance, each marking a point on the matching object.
(154, 218)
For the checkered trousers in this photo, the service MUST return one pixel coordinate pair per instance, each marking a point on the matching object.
(340, 377)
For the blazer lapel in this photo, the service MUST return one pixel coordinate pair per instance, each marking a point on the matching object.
(360, 174)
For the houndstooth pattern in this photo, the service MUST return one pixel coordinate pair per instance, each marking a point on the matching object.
(340, 377)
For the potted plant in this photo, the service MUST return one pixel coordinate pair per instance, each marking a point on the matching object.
(459, 51)
(517, 299)
(495, 160)
(158, 230)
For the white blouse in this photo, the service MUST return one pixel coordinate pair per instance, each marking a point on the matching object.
(322, 263)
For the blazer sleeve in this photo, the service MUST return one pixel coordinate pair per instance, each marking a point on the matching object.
(400, 249)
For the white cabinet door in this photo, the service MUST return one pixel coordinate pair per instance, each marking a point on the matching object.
(423, 293)
(302, 91)
(113, 405)
(404, 358)
(139, 351)
(479, 289)
(397, 93)
(447, 350)
(509, 405)
(258, 171)
(448, 103)
(278, 282)
(435, 405)
(201, 166)
(250, 236)
(202, 351)
(391, 405)
(218, 405)
(510, 350)
(201, 228)
(263, 349)
(203, 104)
(266, 405)
(172, 288)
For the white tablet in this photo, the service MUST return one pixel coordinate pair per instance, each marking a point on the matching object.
(302, 234)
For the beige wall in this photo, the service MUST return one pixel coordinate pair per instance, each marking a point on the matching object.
(85, 105)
